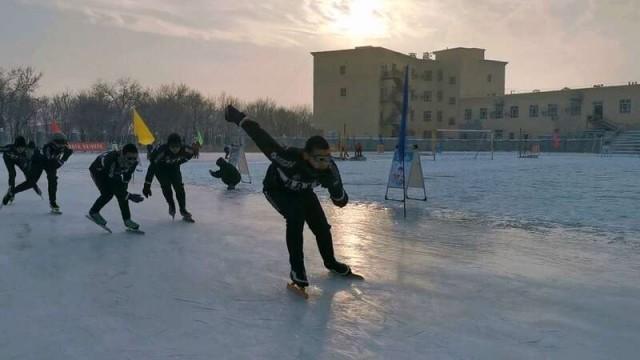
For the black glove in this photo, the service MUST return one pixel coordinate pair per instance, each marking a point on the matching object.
(231, 114)
(146, 190)
(136, 198)
(331, 180)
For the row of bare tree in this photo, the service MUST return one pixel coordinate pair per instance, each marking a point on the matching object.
(103, 112)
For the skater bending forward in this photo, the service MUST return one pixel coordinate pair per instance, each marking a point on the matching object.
(288, 186)
(164, 163)
(54, 154)
(111, 172)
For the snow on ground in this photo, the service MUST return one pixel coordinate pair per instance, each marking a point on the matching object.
(509, 259)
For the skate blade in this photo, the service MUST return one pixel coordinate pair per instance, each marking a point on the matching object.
(135, 231)
(189, 220)
(56, 212)
(352, 276)
(300, 291)
(104, 227)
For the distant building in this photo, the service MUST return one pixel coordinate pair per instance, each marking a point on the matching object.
(361, 89)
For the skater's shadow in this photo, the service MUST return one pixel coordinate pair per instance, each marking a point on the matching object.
(319, 321)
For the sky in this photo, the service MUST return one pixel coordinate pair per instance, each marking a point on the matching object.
(255, 49)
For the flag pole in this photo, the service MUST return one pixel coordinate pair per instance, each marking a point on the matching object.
(403, 135)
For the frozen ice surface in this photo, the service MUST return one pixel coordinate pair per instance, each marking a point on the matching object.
(509, 259)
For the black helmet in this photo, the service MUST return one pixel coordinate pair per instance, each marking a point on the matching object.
(59, 139)
(20, 142)
(220, 161)
(129, 148)
(174, 139)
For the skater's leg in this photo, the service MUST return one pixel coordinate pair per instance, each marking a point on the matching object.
(32, 178)
(291, 208)
(165, 185)
(124, 206)
(317, 222)
(52, 179)
(178, 186)
(105, 195)
(11, 171)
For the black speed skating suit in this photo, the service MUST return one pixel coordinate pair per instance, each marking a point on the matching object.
(111, 175)
(165, 165)
(51, 158)
(12, 159)
(288, 185)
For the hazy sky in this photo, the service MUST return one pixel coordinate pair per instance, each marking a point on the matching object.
(261, 48)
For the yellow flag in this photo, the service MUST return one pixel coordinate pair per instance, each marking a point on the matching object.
(140, 129)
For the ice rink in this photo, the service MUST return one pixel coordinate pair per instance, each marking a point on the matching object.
(509, 259)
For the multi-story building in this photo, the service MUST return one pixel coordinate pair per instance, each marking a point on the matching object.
(361, 89)
(569, 112)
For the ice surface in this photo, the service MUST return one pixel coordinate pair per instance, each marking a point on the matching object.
(509, 259)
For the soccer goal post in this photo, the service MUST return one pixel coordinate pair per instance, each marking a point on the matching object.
(471, 143)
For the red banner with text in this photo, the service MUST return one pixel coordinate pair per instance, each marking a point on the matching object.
(88, 146)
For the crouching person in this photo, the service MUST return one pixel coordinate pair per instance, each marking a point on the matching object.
(228, 173)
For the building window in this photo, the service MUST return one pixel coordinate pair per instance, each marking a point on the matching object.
(498, 134)
(439, 116)
(452, 101)
(343, 91)
(413, 94)
(452, 121)
(552, 110)
(428, 75)
(383, 94)
(426, 116)
(468, 114)
(499, 111)
(489, 78)
(440, 75)
(343, 69)
(394, 67)
(427, 134)
(534, 111)
(439, 96)
(427, 96)
(512, 136)
(483, 113)
(514, 112)
(625, 106)
(411, 115)
(452, 80)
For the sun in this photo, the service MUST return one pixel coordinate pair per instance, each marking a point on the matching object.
(361, 19)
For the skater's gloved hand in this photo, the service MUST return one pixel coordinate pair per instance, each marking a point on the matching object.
(330, 178)
(146, 190)
(231, 114)
(136, 198)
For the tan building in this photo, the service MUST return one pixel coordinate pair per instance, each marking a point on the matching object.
(571, 112)
(361, 89)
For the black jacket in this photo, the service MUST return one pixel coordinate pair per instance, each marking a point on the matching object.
(228, 173)
(162, 159)
(12, 156)
(111, 167)
(54, 156)
(290, 172)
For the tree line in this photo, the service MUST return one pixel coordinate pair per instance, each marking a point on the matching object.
(102, 113)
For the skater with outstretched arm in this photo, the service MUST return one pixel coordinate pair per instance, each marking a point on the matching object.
(288, 186)
(164, 163)
(111, 172)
